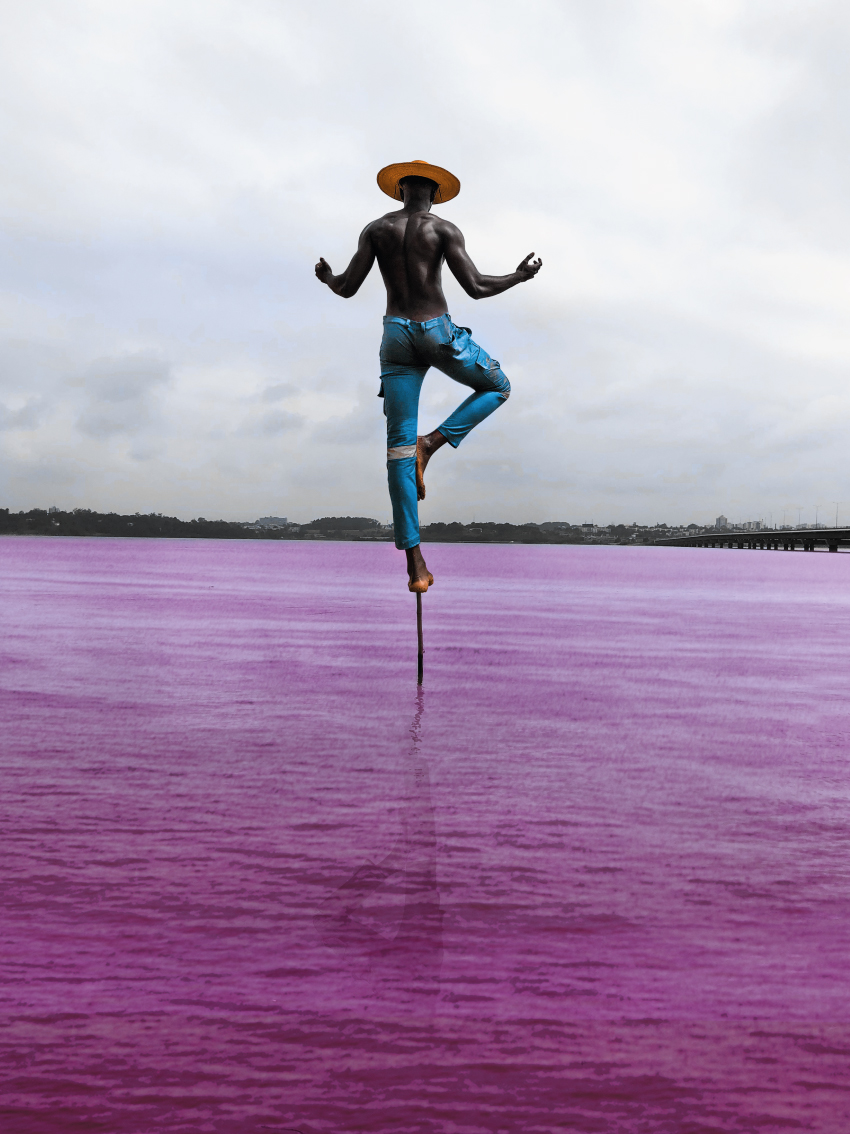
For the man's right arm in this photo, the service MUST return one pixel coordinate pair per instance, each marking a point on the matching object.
(348, 283)
(473, 282)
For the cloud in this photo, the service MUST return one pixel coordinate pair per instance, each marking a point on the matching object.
(121, 395)
(279, 391)
(273, 423)
(364, 425)
(173, 172)
(26, 416)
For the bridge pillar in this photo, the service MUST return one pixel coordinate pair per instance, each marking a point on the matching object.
(833, 547)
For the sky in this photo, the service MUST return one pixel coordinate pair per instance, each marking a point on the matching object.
(173, 170)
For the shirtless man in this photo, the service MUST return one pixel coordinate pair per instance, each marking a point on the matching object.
(410, 245)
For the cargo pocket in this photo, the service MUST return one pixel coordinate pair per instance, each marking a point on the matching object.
(459, 343)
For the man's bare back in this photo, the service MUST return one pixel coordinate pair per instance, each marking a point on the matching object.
(410, 246)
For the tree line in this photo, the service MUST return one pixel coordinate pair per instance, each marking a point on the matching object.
(153, 525)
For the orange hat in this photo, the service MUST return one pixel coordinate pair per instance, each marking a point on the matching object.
(390, 175)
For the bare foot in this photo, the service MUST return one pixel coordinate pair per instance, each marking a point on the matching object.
(426, 446)
(420, 577)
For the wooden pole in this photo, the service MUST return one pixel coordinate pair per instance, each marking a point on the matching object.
(421, 656)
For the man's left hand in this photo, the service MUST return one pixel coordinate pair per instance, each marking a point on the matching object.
(528, 269)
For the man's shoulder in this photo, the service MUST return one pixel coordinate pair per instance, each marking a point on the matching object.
(387, 219)
(381, 226)
(445, 226)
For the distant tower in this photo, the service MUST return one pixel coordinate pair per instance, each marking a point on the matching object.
(721, 522)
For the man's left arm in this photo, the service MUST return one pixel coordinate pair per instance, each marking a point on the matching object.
(473, 282)
(348, 283)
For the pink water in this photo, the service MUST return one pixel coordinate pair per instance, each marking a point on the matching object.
(593, 878)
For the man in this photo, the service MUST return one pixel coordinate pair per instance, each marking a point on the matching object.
(410, 245)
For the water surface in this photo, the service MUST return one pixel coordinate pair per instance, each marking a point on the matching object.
(592, 877)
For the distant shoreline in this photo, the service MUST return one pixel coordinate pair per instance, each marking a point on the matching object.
(83, 522)
(342, 539)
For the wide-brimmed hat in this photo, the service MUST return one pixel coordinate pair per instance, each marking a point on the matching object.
(390, 175)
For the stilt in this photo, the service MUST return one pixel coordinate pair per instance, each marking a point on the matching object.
(420, 658)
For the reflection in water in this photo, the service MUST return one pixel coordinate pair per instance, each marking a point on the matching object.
(388, 913)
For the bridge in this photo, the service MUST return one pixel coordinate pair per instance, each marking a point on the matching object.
(802, 539)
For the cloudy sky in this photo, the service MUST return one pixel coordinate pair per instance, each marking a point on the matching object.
(172, 169)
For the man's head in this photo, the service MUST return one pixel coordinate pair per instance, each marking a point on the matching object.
(413, 186)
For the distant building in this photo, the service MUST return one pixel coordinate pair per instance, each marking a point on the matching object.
(721, 522)
(272, 522)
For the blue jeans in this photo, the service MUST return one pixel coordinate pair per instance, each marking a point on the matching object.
(408, 349)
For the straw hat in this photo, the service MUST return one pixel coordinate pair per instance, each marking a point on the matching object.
(390, 176)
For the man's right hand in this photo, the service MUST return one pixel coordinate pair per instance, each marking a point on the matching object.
(323, 271)
(529, 268)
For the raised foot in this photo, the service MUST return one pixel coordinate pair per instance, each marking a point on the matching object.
(426, 446)
(422, 456)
